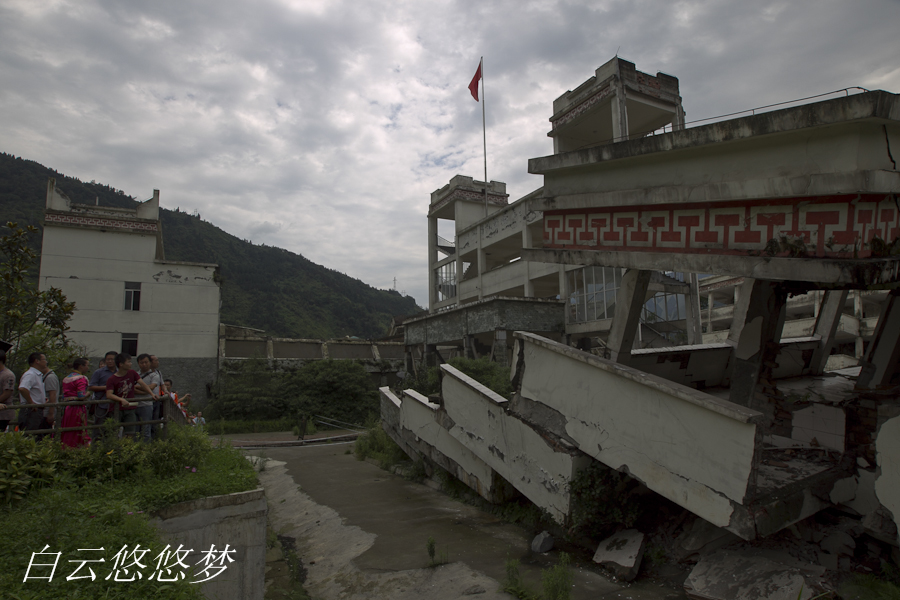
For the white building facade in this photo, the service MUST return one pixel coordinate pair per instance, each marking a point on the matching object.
(110, 262)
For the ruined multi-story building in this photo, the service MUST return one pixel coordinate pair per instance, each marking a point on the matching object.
(668, 302)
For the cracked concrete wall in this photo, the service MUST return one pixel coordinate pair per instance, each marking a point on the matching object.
(415, 424)
(688, 446)
(418, 416)
(513, 449)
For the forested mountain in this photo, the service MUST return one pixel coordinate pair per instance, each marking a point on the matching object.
(262, 286)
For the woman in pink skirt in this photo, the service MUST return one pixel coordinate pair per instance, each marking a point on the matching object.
(75, 385)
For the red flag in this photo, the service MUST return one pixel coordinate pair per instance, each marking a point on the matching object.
(473, 86)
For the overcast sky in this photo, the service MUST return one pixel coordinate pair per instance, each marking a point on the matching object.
(323, 126)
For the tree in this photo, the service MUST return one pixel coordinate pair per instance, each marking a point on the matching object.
(30, 320)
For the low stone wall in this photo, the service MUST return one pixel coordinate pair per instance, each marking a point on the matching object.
(238, 520)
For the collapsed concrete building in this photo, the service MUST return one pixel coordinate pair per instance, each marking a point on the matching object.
(669, 303)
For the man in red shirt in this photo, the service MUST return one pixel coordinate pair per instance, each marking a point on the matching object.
(120, 388)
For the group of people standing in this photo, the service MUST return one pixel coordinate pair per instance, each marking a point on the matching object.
(138, 395)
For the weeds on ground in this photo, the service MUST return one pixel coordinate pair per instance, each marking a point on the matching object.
(376, 443)
(869, 587)
(556, 581)
(656, 555)
(430, 547)
(520, 511)
(416, 472)
(433, 559)
(513, 583)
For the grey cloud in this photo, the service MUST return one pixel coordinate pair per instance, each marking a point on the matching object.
(324, 128)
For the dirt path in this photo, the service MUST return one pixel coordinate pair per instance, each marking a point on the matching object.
(361, 533)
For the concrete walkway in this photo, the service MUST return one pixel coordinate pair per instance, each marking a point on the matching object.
(361, 533)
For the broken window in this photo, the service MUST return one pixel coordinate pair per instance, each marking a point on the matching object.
(445, 281)
(592, 293)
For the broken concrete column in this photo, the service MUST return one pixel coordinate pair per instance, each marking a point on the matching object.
(827, 321)
(759, 336)
(879, 365)
(432, 260)
(629, 302)
(692, 308)
(622, 553)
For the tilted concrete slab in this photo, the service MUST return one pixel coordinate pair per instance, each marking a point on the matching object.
(534, 464)
(416, 425)
(688, 446)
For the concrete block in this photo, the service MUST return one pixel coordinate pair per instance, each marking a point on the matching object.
(737, 575)
(844, 490)
(622, 553)
(824, 423)
(237, 520)
(542, 542)
(704, 536)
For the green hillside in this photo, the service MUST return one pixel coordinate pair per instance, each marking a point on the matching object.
(262, 287)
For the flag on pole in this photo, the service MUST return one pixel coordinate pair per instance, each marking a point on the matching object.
(473, 86)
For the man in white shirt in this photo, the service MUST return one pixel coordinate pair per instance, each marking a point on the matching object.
(145, 402)
(31, 391)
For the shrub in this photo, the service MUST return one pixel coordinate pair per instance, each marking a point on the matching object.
(493, 376)
(557, 580)
(24, 464)
(602, 498)
(102, 497)
(513, 583)
(252, 389)
(376, 443)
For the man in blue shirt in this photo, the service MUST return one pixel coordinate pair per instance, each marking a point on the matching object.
(104, 411)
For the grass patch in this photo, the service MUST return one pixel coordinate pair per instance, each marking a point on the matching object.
(556, 581)
(434, 559)
(101, 497)
(520, 511)
(377, 444)
(869, 587)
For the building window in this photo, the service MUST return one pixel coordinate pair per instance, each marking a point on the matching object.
(129, 343)
(445, 282)
(592, 293)
(132, 295)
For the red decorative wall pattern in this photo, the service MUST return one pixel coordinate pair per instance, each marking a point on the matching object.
(100, 222)
(833, 226)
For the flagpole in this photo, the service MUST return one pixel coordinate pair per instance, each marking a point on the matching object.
(484, 134)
